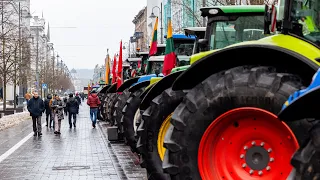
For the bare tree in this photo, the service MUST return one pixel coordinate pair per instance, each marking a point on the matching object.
(9, 44)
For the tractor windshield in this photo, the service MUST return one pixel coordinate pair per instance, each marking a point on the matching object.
(307, 13)
(160, 51)
(183, 47)
(243, 28)
(154, 67)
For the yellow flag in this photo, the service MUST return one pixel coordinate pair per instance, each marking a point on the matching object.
(107, 69)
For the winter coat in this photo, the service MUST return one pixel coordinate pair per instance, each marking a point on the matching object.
(93, 101)
(36, 107)
(78, 99)
(65, 100)
(73, 106)
(57, 106)
(47, 105)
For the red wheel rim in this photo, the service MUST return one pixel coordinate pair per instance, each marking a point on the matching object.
(246, 143)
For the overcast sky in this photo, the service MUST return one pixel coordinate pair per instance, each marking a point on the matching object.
(95, 26)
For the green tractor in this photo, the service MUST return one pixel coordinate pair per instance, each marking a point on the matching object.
(226, 25)
(226, 127)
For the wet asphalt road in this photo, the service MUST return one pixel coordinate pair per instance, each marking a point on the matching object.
(78, 153)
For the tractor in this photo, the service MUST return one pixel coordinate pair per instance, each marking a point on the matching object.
(226, 126)
(133, 88)
(161, 101)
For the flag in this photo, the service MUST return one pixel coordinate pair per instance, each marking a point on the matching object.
(89, 88)
(107, 69)
(114, 74)
(119, 77)
(170, 57)
(153, 45)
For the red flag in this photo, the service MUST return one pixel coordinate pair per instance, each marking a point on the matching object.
(139, 64)
(119, 77)
(170, 57)
(114, 74)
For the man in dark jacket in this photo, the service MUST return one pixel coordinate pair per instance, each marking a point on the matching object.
(73, 109)
(48, 110)
(94, 102)
(36, 108)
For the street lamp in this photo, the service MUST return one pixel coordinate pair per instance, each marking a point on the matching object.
(124, 47)
(152, 16)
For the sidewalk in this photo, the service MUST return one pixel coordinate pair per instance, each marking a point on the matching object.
(81, 153)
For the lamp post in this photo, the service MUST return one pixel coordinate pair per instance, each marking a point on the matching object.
(152, 16)
(124, 47)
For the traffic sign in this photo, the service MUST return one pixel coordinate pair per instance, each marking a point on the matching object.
(44, 86)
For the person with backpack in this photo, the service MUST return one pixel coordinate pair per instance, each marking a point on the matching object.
(94, 102)
(73, 110)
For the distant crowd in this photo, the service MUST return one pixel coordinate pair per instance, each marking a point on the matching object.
(57, 108)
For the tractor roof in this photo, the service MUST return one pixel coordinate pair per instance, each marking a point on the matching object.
(161, 45)
(134, 59)
(141, 53)
(232, 10)
(181, 37)
(195, 31)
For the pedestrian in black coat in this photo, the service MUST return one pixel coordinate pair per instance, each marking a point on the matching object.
(73, 110)
(36, 108)
(48, 110)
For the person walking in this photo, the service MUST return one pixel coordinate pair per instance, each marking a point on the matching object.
(27, 96)
(57, 106)
(73, 110)
(78, 98)
(48, 110)
(36, 108)
(52, 112)
(94, 102)
(65, 100)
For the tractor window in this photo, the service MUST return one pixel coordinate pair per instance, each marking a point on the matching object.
(154, 66)
(160, 51)
(307, 14)
(245, 28)
(183, 47)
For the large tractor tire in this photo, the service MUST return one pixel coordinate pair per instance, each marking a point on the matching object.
(117, 114)
(225, 128)
(156, 121)
(130, 116)
(112, 99)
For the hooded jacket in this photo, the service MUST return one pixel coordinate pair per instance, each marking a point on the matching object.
(72, 105)
(93, 101)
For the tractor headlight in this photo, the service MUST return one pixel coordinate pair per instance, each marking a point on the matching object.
(213, 11)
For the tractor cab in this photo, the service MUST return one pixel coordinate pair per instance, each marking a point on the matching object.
(183, 47)
(155, 62)
(229, 25)
(143, 64)
(198, 33)
(299, 18)
(126, 69)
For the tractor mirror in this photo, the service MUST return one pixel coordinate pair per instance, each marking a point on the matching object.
(203, 44)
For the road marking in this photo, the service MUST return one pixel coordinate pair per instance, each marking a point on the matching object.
(16, 146)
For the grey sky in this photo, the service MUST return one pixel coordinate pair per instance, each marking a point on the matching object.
(100, 24)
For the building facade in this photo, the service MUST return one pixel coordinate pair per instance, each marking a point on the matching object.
(141, 32)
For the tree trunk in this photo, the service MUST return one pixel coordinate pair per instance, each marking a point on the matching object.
(4, 92)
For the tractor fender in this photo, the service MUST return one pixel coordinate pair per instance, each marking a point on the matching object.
(158, 88)
(145, 92)
(270, 55)
(104, 89)
(127, 84)
(137, 86)
(303, 103)
(112, 88)
(306, 106)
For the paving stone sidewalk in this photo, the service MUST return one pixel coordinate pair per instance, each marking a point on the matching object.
(81, 153)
